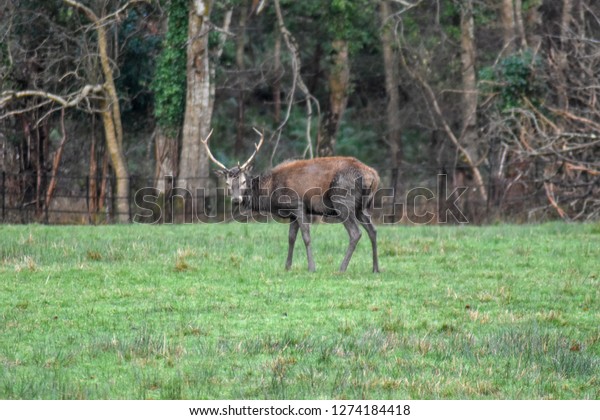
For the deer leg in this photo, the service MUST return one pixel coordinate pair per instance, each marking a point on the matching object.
(354, 233)
(294, 225)
(305, 230)
(365, 221)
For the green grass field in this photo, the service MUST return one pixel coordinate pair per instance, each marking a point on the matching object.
(208, 312)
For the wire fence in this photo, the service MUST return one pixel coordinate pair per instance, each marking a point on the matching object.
(25, 198)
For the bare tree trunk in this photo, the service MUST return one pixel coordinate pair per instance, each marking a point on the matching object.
(118, 160)
(513, 27)
(509, 31)
(560, 54)
(9, 166)
(241, 67)
(533, 34)
(579, 17)
(469, 137)
(194, 163)
(519, 24)
(566, 18)
(104, 185)
(469, 81)
(277, 81)
(339, 81)
(392, 80)
(109, 86)
(166, 148)
(111, 116)
(93, 174)
(56, 163)
(38, 159)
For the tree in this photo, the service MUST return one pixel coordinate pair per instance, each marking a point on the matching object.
(169, 87)
(110, 111)
(297, 83)
(342, 16)
(540, 108)
(193, 163)
(200, 90)
(500, 95)
(417, 62)
(33, 38)
(469, 81)
(392, 81)
(104, 93)
(241, 68)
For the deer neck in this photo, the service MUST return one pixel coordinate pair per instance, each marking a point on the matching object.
(259, 186)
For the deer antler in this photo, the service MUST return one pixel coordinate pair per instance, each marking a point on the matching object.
(210, 155)
(256, 147)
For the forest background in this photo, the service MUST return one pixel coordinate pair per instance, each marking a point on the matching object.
(101, 98)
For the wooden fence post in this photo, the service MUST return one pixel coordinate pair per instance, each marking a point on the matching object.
(3, 195)
(131, 195)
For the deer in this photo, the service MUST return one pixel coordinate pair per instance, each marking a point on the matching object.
(338, 188)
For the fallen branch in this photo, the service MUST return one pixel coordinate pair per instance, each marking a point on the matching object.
(550, 195)
(576, 167)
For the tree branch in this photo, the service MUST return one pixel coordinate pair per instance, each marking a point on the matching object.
(56, 162)
(94, 18)
(296, 81)
(418, 77)
(86, 10)
(438, 111)
(67, 102)
(550, 195)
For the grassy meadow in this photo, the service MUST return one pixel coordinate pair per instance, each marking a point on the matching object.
(208, 312)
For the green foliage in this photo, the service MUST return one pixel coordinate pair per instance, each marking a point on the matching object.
(450, 19)
(169, 84)
(484, 15)
(208, 311)
(292, 144)
(137, 62)
(347, 19)
(356, 139)
(352, 20)
(514, 79)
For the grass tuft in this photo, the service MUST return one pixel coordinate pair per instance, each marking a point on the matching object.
(94, 255)
(181, 263)
(26, 263)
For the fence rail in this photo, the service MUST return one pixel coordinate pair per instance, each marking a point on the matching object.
(74, 202)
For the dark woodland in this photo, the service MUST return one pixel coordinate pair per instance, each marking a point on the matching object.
(496, 99)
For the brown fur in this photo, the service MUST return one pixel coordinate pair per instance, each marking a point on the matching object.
(317, 175)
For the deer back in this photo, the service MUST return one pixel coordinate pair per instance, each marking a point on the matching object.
(314, 180)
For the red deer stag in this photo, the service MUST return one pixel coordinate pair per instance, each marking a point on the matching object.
(340, 188)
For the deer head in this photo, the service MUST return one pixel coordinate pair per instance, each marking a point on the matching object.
(237, 177)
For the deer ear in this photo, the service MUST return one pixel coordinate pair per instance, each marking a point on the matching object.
(221, 172)
(248, 169)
